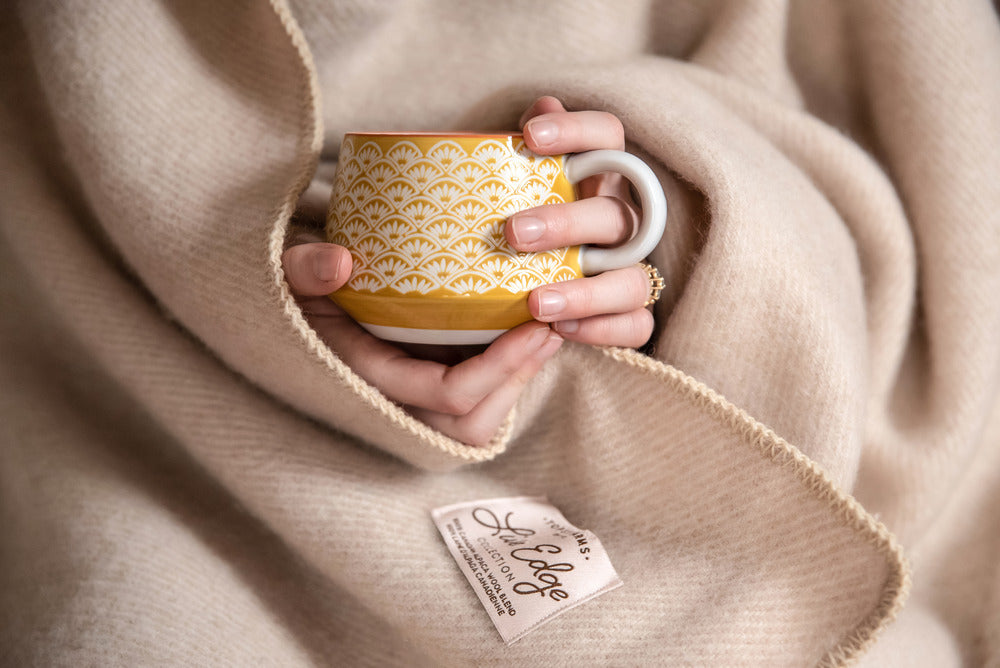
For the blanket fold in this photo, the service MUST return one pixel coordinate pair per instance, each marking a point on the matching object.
(190, 475)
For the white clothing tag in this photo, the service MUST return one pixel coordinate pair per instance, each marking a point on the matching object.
(523, 559)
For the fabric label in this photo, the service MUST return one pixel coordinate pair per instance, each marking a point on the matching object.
(525, 562)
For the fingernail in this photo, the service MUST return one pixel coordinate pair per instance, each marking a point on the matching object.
(550, 303)
(538, 337)
(567, 326)
(552, 343)
(544, 133)
(326, 265)
(526, 229)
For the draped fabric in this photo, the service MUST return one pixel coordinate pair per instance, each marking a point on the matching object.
(804, 469)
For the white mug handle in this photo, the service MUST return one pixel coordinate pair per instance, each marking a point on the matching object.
(651, 198)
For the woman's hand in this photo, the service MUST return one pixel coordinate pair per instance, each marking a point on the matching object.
(467, 394)
(468, 400)
(606, 309)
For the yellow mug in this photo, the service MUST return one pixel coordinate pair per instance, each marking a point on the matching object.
(423, 216)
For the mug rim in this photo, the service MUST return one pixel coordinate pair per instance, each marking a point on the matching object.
(436, 133)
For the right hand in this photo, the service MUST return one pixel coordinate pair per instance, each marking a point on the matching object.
(467, 401)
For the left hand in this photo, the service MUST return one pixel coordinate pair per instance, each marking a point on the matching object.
(606, 309)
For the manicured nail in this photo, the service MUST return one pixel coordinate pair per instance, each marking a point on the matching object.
(544, 133)
(552, 343)
(538, 337)
(326, 265)
(526, 229)
(550, 303)
(567, 326)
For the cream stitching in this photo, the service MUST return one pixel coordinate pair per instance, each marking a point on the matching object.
(851, 512)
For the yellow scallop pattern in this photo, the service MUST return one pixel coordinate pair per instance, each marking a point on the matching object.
(424, 216)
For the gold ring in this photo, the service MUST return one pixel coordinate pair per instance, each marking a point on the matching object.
(656, 283)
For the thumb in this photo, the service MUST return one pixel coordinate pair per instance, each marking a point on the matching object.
(316, 269)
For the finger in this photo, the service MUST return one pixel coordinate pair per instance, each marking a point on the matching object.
(609, 184)
(319, 307)
(616, 291)
(452, 390)
(598, 220)
(574, 131)
(315, 269)
(479, 426)
(627, 330)
(543, 105)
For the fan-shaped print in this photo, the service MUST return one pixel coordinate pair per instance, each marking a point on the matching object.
(395, 230)
(447, 153)
(492, 233)
(469, 285)
(446, 193)
(382, 173)
(391, 267)
(548, 169)
(493, 192)
(469, 249)
(512, 173)
(399, 192)
(365, 182)
(513, 204)
(495, 268)
(352, 228)
(471, 212)
(367, 154)
(418, 220)
(367, 282)
(418, 248)
(347, 171)
(440, 270)
(536, 191)
(470, 174)
(418, 284)
(384, 201)
(403, 155)
(377, 210)
(564, 274)
(369, 247)
(420, 212)
(540, 261)
(545, 264)
(360, 193)
(445, 230)
(492, 153)
(522, 282)
(421, 174)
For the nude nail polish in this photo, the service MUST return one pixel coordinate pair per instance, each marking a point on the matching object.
(526, 229)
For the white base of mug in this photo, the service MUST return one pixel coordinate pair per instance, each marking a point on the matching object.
(448, 337)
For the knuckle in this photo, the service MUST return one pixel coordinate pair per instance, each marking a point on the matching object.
(644, 325)
(628, 329)
(620, 218)
(581, 294)
(558, 223)
(638, 328)
(638, 286)
(615, 129)
(456, 402)
(476, 433)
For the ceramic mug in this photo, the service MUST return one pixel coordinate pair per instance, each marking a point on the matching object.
(423, 217)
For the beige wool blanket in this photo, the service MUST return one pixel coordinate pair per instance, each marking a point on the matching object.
(804, 470)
